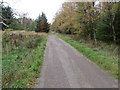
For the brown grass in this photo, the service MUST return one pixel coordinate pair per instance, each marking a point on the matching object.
(22, 52)
(24, 32)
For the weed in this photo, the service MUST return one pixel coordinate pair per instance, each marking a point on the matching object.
(22, 58)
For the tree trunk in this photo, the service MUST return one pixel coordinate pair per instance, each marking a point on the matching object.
(114, 34)
(113, 28)
(95, 36)
(89, 37)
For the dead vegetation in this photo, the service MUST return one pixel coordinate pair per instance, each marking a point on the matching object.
(22, 54)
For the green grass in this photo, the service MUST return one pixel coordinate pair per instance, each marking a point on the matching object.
(102, 58)
(22, 59)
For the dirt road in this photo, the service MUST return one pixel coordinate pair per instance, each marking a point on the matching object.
(64, 67)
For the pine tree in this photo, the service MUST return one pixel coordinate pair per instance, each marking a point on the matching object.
(42, 24)
(7, 17)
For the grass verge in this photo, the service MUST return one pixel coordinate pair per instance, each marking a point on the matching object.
(106, 61)
(22, 58)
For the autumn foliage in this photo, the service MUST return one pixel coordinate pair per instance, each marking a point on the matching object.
(89, 21)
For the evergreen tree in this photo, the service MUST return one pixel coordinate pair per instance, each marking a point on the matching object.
(7, 16)
(42, 24)
(103, 29)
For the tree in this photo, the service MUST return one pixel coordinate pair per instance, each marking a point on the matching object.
(103, 29)
(107, 26)
(89, 21)
(64, 20)
(42, 24)
(7, 17)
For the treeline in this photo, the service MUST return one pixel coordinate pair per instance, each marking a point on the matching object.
(89, 21)
(12, 20)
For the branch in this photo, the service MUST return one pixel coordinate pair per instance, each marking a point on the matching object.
(4, 24)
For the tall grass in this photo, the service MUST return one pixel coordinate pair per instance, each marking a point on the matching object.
(22, 58)
(102, 57)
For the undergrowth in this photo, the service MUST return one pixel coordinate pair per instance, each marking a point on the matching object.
(22, 58)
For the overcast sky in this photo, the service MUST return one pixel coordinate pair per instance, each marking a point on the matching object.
(35, 7)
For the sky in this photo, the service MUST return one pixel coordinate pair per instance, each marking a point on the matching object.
(35, 7)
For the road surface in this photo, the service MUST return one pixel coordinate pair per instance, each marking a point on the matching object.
(65, 67)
